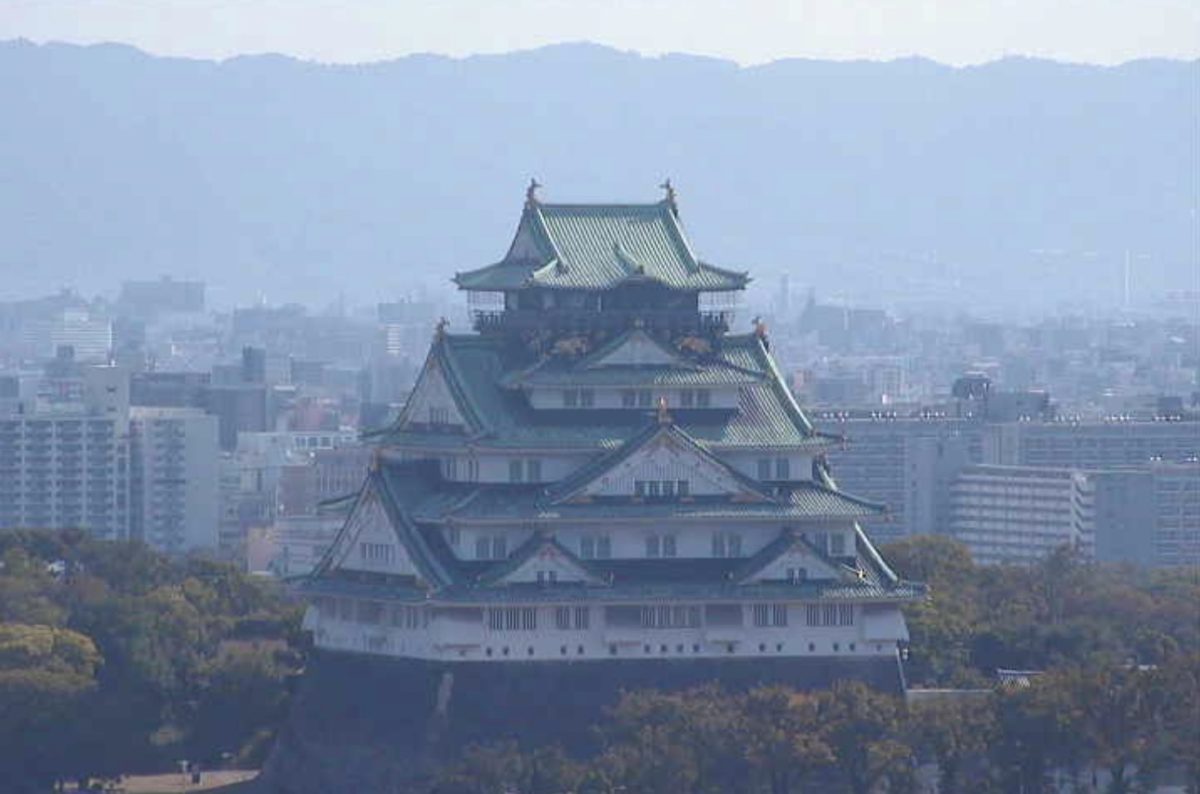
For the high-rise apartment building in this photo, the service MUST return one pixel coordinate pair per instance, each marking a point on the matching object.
(173, 479)
(1021, 514)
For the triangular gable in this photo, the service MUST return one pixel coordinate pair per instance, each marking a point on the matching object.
(665, 454)
(789, 558)
(370, 542)
(634, 349)
(433, 402)
(545, 561)
(530, 243)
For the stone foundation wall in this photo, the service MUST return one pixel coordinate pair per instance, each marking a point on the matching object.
(372, 725)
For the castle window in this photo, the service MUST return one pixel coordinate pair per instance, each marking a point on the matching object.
(653, 548)
(829, 613)
(628, 398)
(668, 489)
(764, 468)
(779, 615)
(570, 398)
(377, 552)
(812, 615)
(499, 547)
(687, 398)
(639, 488)
(845, 614)
(587, 547)
(583, 617)
(438, 415)
(702, 398)
(516, 471)
(653, 489)
(726, 544)
(797, 575)
(483, 548)
(645, 398)
(783, 469)
(587, 398)
(682, 488)
(562, 618)
(837, 544)
(547, 577)
(533, 470)
(668, 545)
(603, 547)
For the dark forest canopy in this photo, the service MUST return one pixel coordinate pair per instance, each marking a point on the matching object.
(114, 658)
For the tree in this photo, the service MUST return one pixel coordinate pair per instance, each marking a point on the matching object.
(781, 732)
(46, 676)
(956, 734)
(863, 729)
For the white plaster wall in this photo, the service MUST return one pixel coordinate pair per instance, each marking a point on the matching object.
(453, 639)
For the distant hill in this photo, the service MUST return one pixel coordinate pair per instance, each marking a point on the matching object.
(299, 180)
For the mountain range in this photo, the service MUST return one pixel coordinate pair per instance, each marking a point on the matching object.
(1014, 183)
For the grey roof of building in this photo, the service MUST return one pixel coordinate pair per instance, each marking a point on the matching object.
(600, 246)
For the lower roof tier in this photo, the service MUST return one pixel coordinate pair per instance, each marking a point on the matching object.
(476, 372)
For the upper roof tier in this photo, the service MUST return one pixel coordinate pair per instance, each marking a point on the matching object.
(600, 247)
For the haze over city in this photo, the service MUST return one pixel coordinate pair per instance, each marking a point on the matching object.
(545, 396)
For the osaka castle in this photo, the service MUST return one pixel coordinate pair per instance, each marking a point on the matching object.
(601, 474)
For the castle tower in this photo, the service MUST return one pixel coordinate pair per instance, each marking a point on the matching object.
(603, 479)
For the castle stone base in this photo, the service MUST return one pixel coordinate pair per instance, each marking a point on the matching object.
(371, 724)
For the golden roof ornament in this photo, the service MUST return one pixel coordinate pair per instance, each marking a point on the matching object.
(531, 198)
(664, 416)
(670, 189)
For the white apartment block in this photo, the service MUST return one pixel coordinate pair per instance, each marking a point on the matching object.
(1018, 514)
(173, 482)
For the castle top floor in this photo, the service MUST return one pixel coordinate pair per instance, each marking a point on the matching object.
(581, 267)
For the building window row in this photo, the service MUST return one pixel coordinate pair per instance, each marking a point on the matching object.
(695, 398)
(524, 471)
(563, 618)
(377, 552)
(782, 469)
(770, 614)
(829, 615)
(670, 617)
(512, 619)
(662, 489)
(660, 546)
(636, 398)
(578, 398)
(595, 547)
(726, 544)
(493, 547)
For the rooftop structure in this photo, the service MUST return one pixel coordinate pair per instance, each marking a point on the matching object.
(604, 472)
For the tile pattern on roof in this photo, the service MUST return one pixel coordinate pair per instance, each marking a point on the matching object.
(599, 246)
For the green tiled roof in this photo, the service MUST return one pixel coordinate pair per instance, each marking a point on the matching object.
(598, 246)
(632, 593)
(768, 417)
(810, 502)
(655, 429)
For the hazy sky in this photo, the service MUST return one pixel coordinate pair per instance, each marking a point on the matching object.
(748, 31)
